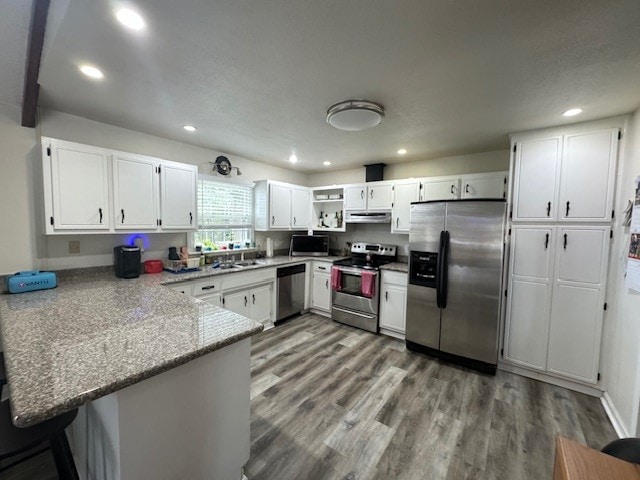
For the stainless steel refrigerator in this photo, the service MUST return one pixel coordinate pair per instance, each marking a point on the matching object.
(455, 289)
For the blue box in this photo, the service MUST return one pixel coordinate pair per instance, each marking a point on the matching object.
(30, 281)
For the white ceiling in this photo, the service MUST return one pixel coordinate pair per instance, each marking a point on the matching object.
(14, 33)
(256, 77)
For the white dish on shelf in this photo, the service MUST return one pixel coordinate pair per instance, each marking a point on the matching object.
(322, 197)
(335, 196)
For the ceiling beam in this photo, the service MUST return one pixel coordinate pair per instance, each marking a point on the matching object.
(32, 66)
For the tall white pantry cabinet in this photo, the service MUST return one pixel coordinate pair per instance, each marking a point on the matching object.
(561, 223)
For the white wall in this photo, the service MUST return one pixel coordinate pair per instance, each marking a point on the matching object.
(494, 161)
(17, 150)
(620, 363)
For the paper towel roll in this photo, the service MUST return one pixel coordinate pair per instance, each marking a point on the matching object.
(269, 247)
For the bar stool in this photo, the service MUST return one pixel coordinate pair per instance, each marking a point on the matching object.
(627, 449)
(48, 434)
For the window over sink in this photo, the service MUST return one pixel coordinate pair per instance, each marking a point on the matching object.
(225, 214)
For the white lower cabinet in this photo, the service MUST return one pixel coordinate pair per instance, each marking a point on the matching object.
(556, 299)
(393, 301)
(253, 303)
(321, 286)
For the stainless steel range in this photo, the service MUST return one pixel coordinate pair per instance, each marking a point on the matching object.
(355, 285)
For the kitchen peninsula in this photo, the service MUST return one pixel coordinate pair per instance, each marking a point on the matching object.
(164, 379)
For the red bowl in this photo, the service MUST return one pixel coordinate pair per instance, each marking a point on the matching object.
(153, 266)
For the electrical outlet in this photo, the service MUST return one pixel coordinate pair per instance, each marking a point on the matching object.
(74, 246)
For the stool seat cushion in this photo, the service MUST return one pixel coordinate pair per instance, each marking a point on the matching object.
(627, 449)
(14, 440)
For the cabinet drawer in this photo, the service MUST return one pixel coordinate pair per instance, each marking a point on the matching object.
(207, 286)
(394, 278)
(322, 267)
(252, 277)
(182, 287)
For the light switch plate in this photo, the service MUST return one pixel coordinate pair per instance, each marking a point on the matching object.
(74, 246)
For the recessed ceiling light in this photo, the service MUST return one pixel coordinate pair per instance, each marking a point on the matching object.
(402, 151)
(293, 158)
(572, 112)
(130, 19)
(92, 72)
(190, 128)
(326, 163)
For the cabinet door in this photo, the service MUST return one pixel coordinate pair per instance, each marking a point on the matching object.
(79, 187)
(300, 208)
(279, 206)
(260, 304)
(379, 197)
(211, 299)
(355, 198)
(582, 254)
(178, 197)
(444, 188)
(588, 175)
(574, 336)
(321, 297)
(403, 195)
(237, 302)
(484, 186)
(135, 193)
(531, 252)
(393, 307)
(537, 168)
(527, 325)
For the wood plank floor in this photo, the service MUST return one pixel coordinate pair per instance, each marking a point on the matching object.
(332, 402)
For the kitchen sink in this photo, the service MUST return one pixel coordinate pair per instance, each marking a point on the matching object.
(246, 263)
(228, 266)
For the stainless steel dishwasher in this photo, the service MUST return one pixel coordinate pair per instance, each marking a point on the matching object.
(290, 291)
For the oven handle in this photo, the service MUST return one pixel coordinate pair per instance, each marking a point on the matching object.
(351, 312)
(355, 271)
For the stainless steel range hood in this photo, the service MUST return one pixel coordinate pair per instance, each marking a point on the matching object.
(368, 217)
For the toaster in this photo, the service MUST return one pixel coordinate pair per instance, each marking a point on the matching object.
(126, 261)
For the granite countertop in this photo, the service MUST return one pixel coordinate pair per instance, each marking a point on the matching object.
(96, 334)
(87, 338)
(396, 267)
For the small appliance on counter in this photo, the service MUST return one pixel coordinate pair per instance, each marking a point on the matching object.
(31, 280)
(309, 245)
(126, 261)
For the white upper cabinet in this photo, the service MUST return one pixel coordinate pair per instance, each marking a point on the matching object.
(379, 197)
(403, 194)
(281, 206)
(300, 198)
(178, 196)
(531, 252)
(565, 178)
(441, 188)
(373, 196)
(484, 185)
(76, 186)
(537, 166)
(135, 193)
(588, 175)
(355, 198)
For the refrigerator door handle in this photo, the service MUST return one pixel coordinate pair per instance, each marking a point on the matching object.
(444, 269)
(439, 270)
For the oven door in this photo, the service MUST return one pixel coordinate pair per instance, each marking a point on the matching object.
(350, 295)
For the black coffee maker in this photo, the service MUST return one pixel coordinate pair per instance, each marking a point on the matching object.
(126, 260)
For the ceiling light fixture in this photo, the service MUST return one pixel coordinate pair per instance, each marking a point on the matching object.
(130, 19)
(402, 151)
(572, 112)
(92, 72)
(326, 163)
(293, 158)
(355, 115)
(190, 128)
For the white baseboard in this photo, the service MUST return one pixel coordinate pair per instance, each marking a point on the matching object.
(614, 416)
(320, 312)
(391, 333)
(543, 377)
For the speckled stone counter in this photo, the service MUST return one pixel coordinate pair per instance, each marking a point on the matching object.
(396, 267)
(95, 335)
